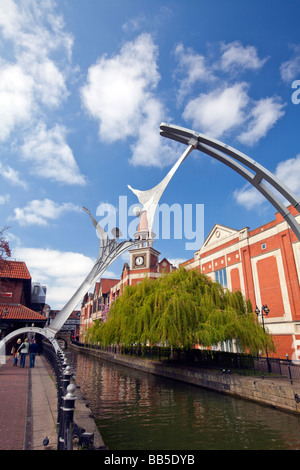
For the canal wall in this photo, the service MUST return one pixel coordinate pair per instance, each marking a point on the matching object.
(275, 392)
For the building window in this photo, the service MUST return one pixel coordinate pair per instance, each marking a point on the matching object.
(263, 246)
(221, 277)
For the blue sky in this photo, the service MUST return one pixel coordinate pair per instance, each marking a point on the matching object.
(84, 86)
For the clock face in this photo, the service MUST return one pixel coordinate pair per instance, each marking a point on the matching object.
(139, 260)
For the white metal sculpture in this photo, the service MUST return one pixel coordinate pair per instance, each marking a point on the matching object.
(109, 250)
(151, 197)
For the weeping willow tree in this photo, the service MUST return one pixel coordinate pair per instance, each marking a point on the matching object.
(183, 308)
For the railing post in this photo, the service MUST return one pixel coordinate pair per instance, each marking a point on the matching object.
(289, 368)
(261, 367)
(68, 414)
(66, 378)
(60, 393)
(239, 363)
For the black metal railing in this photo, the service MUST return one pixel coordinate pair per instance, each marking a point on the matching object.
(68, 432)
(226, 362)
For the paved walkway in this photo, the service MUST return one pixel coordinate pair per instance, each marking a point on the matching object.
(28, 406)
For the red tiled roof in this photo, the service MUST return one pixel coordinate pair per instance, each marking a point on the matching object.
(19, 312)
(96, 290)
(14, 270)
(106, 284)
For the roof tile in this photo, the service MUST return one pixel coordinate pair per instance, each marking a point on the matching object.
(19, 312)
(14, 270)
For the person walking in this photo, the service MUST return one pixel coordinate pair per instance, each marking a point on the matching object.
(23, 350)
(14, 351)
(33, 350)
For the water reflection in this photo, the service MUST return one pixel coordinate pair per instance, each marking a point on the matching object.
(135, 410)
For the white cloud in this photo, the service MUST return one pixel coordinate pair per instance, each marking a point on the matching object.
(194, 68)
(40, 212)
(136, 23)
(231, 109)
(11, 175)
(226, 108)
(119, 95)
(248, 197)
(176, 261)
(49, 83)
(117, 88)
(50, 155)
(290, 69)
(4, 198)
(287, 171)
(150, 149)
(33, 33)
(218, 111)
(35, 28)
(263, 116)
(236, 56)
(33, 77)
(61, 272)
(16, 102)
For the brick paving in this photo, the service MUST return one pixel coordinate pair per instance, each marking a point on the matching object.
(13, 405)
(28, 406)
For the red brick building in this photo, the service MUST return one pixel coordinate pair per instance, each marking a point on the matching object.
(264, 264)
(94, 303)
(15, 298)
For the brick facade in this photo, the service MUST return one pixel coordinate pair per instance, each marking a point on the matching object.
(265, 265)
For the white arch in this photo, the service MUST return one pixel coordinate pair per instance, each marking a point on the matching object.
(27, 329)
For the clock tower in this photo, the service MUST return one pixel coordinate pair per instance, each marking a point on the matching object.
(143, 258)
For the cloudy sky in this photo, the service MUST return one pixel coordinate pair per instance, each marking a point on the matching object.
(84, 86)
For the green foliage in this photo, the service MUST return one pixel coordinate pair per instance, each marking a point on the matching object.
(181, 309)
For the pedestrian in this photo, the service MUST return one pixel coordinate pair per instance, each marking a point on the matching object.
(23, 350)
(33, 350)
(14, 351)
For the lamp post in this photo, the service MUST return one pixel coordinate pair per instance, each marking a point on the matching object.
(264, 311)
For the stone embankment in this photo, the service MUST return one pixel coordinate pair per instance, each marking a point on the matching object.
(276, 392)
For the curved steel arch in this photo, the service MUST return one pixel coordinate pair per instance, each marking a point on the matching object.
(235, 160)
(27, 329)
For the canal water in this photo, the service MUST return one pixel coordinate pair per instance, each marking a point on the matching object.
(139, 411)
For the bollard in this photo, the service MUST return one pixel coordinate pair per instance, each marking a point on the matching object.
(261, 367)
(289, 368)
(68, 413)
(66, 378)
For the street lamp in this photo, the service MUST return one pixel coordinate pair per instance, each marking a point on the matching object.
(264, 311)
